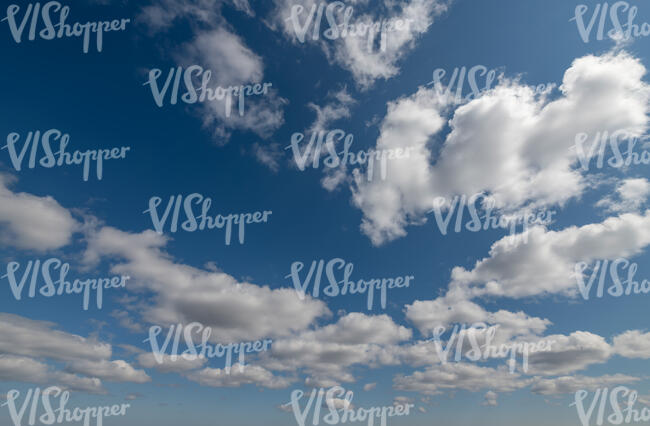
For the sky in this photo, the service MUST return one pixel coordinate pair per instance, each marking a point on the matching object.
(512, 140)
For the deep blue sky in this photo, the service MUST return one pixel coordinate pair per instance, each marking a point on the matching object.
(100, 100)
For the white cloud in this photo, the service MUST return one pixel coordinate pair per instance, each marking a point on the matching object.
(352, 53)
(338, 403)
(232, 63)
(634, 190)
(437, 379)
(415, 354)
(320, 382)
(133, 396)
(509, 142)
(644, 399)
(388, 204)
(337, 108)
(126, 321)
(243, 6)
(369, 386)
(251, 374)
(334, 178)
(111, 371)
(571, 384)
(161, 15)
(24, 369)
(184, 294)
(270, 155)
(402, 400)
(217, 47)
(327, 353)
(631, 195)
(226, 55)
(169, 365)
(490, 399)
(25, 342)
(633, 344)
(22, 336)
(546, 263)
(455, 309)
(367, 67)
(31, 222)
(569, 353)
(357, 328)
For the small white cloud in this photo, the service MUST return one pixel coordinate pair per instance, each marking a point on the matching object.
(168, 365)
(369, 386)
(270, 155)
(631, 195)
(490, 399)
(633, 344)
(31, 222)
(110, 371)
(133, 396)
(572, 384)
(368, 59)
(251, 374)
